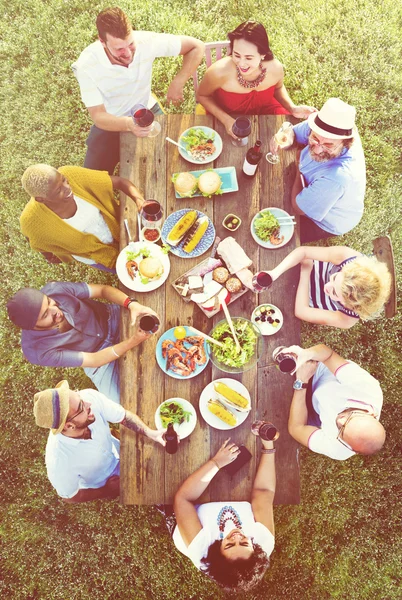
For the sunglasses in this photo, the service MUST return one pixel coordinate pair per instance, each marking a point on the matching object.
(327, 146)
(81, 409)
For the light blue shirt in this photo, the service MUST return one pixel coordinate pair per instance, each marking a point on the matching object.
(334, 194)
(75, 464)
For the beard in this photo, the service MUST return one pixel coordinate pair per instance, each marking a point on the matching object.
(324, 156)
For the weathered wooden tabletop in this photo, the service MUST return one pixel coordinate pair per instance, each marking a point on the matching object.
(148, 474)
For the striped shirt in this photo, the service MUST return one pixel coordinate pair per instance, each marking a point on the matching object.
(320, 274)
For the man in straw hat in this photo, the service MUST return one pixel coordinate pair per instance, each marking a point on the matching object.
(82, 456)
(336, 404)
(328, 190)
(63, 326)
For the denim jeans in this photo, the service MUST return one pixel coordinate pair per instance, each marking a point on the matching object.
(103, 151)
(107, 378)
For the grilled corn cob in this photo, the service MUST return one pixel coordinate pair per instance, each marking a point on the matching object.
(181, 227)
(222, 412)
(231, 396)
(195, 234)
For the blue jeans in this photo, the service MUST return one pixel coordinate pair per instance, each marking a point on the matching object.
(103, 151)
(107, 378)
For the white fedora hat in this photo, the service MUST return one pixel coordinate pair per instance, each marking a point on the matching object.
(335, 120)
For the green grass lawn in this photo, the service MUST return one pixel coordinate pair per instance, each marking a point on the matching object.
(343, 540)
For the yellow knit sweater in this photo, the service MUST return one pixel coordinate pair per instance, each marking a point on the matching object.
(47, 232)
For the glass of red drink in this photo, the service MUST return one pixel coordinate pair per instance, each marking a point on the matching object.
(143, 117)
(262, 281)
(151, 214)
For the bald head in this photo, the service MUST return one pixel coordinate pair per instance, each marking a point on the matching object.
(365, 434)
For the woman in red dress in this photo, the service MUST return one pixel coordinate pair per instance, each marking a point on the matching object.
(249, 81)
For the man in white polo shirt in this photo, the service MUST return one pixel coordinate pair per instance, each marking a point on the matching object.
(337, 414)
(82, 456)
(115, 73)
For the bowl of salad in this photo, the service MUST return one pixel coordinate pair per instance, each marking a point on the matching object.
(272, 228)
(227, 358)
(203, 145)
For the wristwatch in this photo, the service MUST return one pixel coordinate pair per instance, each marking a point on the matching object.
(128, 301)
(299, 385)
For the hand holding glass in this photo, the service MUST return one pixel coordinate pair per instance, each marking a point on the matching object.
(242, 129)
(143, 117)
(284, 138)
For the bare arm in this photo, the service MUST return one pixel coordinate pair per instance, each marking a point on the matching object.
(186, 514)
(301, 111)
(263, 492)
(214, 78)
(133, 422)
(128, 188)
(108, 122)
(298, 414)
(334, 254)
(112, 353)
(110, 490)
(192, 51)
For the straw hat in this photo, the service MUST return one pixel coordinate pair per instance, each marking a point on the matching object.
(51, 407)
(335, 120)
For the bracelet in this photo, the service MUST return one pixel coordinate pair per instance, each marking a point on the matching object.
(115, 353)
(268, 451)
(214, 461)
(128, 301)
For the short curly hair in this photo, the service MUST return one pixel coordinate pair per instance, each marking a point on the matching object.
(237, 575)
(366, 286)
(113, 21)
(36, 178)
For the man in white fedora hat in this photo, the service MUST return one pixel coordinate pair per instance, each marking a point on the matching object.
(82, 456)
(328, 190)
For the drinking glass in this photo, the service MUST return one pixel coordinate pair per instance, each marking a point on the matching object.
(242, 129)
(284, 138)
(149, 323)
(151, 214)
(261, 281)
(286, 363)
(143, 117)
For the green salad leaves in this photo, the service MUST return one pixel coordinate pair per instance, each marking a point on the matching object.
(228, 355)
(173, 412)
(265, 225)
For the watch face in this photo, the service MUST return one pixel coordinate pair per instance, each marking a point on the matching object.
(298, 385)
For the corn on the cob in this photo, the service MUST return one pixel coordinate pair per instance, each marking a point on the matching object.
(222, 412)
(181, 227)
(231, 395)
(195, 234)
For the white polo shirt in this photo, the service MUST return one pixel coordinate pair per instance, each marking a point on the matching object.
(74, 464)
(350, 387)
(120, 88)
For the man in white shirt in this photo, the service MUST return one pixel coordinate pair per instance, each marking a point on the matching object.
(82, 456)
(115, 73)
(340, 416)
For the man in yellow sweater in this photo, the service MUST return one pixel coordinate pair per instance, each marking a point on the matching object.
(73, 215)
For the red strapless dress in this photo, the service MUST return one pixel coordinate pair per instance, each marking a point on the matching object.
(252, 103)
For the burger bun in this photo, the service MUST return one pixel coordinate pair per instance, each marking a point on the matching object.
(151, 268)
(185, 184)
(209, 183)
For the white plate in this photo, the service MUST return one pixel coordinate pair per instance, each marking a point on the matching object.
(286, 230)
(203, 245)
(185, 428)
(266, 328)
(135, 284)
(217, 142)
(208, 393)
(168, 335)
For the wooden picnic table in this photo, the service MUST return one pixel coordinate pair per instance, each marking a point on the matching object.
(148, 474)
